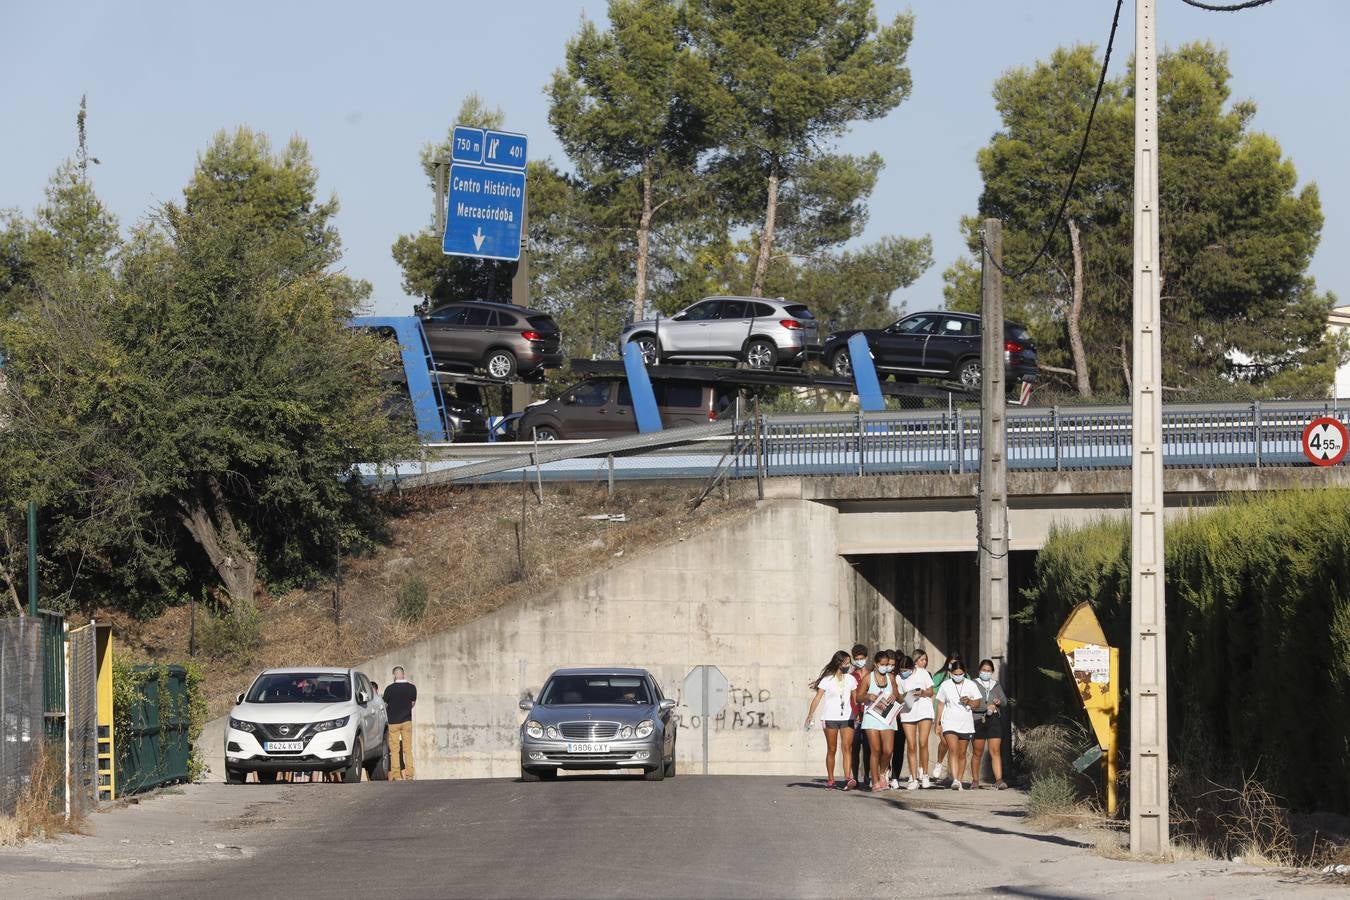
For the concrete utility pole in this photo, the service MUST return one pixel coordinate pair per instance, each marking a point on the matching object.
(993, 499)
(1148, 623)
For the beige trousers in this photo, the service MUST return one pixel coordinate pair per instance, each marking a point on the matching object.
(400, 738)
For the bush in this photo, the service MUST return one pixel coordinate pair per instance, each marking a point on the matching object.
(1258, 641)
(410, 603)
(234, 634)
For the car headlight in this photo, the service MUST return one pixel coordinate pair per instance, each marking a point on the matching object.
(645, 728)
(534, 729)
(241, 725)
(626, 731)
(330, 724)
(550, 732)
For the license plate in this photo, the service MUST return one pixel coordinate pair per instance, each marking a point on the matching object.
(283, 746)
(588, 748)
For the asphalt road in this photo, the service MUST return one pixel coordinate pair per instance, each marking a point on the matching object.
(595, 837)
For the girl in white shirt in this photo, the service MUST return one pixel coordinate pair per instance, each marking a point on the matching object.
(956, 700)
(835, 688)
(914, 682)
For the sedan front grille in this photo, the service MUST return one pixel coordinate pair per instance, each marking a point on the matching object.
(590, 757)
(588, 731)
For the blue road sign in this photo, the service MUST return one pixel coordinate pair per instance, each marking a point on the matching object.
(466, 145)
(486, 208)
(505, 149)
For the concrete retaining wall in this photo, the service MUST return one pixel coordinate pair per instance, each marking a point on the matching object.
(760, 598)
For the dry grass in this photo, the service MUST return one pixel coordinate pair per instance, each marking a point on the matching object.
(461, 541)
(9, 831)
(39, 813)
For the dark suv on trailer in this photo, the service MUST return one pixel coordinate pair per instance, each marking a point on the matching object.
(603, 408)
(501, 339)
(935, 344)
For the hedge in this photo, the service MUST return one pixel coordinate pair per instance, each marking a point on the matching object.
(1258, 640)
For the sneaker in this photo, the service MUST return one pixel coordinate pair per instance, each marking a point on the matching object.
(1001, 786)
(938, 771)
(956, 785)
(924, 782)
(850, 785)
(829, 783)
(913, 785)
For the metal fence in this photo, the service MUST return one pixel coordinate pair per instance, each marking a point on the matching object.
(153, 748)
(1218, 435)
(82, 719)
(21, 705)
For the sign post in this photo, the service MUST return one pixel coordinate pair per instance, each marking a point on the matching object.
(1325, 441)
(705, 692)
(1095, 668)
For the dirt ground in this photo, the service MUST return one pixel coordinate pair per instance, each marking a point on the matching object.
(462, 543)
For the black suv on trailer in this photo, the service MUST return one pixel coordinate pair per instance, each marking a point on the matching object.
(934, 344)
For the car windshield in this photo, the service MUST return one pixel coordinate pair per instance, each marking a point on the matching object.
(1018, 333)
(587, 690)
(798, 311)
(300, 687)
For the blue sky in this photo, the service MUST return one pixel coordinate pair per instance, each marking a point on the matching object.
(368, 84)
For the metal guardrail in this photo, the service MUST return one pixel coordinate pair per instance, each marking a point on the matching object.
(1063, 439)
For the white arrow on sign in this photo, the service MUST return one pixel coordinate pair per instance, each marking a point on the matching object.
(478, 238)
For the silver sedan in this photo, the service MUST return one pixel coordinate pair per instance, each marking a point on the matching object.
(598, 719)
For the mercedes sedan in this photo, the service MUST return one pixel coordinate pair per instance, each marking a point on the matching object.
(598, 719)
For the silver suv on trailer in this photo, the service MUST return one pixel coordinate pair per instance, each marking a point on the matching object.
(761, 333)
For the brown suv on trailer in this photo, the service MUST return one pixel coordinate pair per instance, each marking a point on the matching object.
(501, 339)
(603, 408)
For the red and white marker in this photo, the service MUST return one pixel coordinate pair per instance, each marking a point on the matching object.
(1324, 441)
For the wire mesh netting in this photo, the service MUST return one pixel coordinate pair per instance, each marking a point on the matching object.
(21, 705)
(82, 724)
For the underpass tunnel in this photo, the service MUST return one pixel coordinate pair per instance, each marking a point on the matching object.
(904, 601)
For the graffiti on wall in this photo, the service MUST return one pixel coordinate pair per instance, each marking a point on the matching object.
(747, 709)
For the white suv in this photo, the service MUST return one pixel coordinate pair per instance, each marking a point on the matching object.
(308, 720)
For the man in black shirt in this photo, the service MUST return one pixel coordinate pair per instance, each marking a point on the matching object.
(399, 700)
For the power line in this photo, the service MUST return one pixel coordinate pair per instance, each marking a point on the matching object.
(1235, 7)
(1082, 151)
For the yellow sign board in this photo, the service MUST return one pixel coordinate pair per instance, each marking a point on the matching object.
(1095, 667)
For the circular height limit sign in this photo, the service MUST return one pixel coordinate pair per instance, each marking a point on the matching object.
(1324, 441)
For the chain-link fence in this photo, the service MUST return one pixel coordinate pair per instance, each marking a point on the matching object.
(21, 705)
(82, 719)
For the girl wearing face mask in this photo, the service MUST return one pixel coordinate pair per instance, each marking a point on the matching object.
(957, 699)
(917, 722)
(989, 725)
(939, 769)
(879, 683)
(835, 687)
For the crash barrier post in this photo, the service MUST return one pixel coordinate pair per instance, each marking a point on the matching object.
(152, 736)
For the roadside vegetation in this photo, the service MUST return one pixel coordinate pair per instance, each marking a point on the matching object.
(1258, 596)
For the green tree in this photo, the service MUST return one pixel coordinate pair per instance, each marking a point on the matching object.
(1237, 234)
(197, 417)
(627, 104)
(790, 76)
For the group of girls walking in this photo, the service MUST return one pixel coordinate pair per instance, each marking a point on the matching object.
(967, 713)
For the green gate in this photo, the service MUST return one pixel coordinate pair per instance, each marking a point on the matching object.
(152, 744)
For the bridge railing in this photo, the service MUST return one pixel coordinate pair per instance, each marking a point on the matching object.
(1205, 435)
